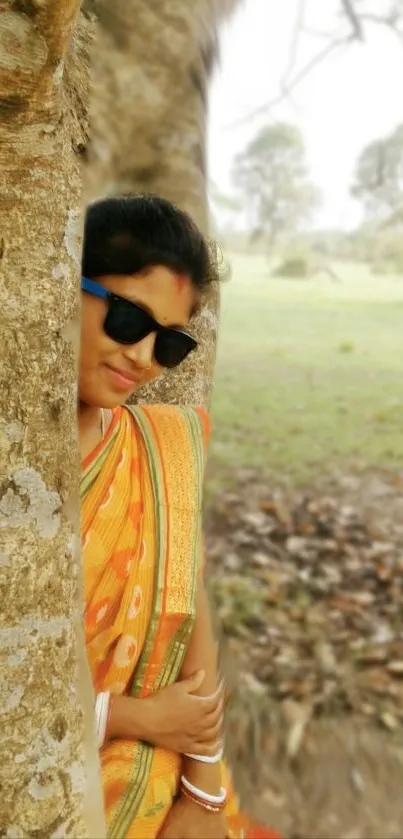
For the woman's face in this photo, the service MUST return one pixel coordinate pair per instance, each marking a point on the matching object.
(110, 372)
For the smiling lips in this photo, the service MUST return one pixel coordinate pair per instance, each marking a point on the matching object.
(123, 378)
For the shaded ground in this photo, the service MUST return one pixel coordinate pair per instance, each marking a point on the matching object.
(308, 587)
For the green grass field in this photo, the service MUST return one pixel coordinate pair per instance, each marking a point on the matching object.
(309, 375)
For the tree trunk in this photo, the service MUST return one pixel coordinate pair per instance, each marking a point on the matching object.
(49, 768)
(152, 63)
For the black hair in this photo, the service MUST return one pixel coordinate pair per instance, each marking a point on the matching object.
(128, 234)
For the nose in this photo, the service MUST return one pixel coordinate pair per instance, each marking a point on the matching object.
(142, 353)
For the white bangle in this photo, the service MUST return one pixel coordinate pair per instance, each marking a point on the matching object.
(101, 714)
(206, 758)
(204, 796)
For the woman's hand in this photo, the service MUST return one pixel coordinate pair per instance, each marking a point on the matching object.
(182, 722)
(173, 718)
(187, 820)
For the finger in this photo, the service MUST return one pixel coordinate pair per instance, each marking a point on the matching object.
(205, 749)
(205, 728)
(210, 735)
(194, 682)
(211, 717)
(211, 710)
(210, 703)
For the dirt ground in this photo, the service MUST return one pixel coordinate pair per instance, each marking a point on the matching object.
(307, 586)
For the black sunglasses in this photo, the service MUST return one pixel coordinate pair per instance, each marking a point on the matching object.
(128, 323)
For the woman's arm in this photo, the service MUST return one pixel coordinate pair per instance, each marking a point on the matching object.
(202, 654)
(174, 718)
(129, 718)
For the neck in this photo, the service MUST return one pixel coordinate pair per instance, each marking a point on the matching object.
(88, 417)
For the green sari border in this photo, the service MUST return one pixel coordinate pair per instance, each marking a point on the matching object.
(131, 800)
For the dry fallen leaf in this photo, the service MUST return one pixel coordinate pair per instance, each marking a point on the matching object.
(389, 720)
(395, 667)
(297, 717)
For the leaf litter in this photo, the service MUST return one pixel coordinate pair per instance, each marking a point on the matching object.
(308, 588)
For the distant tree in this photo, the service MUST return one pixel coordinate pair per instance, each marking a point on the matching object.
(378, 182)
(272, 178)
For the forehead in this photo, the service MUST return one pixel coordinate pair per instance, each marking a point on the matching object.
(167, 295)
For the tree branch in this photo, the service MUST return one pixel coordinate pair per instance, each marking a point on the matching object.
(390, 21)
(334, 43)
(287, 89)
(354, 19)
(322, 34)
(298, 26)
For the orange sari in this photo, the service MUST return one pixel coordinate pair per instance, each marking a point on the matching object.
(141, 532)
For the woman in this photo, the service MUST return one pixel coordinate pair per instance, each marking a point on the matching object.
(148, 631)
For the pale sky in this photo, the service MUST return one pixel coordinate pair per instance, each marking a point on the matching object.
(347, 100)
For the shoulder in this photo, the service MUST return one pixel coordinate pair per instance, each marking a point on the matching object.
(179, 421)
(175, 439)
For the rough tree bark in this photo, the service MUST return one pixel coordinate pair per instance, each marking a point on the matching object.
(152, 64)
(49, 773)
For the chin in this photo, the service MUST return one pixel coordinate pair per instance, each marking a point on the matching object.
(107, 400)
(116, 399)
